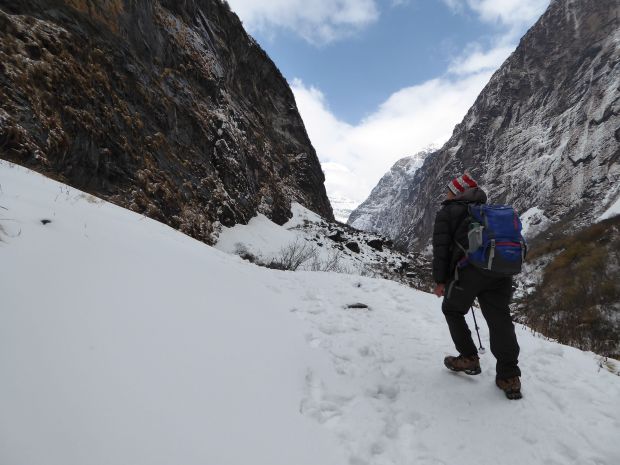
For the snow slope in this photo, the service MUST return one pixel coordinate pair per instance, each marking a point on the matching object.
(534, 221)
(613, 210)
(265, 238)
(123, 341)
(325, 246)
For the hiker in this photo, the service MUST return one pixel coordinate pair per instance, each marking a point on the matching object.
(459, 283)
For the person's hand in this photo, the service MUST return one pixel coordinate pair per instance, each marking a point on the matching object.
(439, 290)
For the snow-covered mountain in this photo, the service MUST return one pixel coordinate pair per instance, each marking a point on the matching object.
(168, 108)
(343, 206)
(124, 341)
(543, 134)
(378, 212)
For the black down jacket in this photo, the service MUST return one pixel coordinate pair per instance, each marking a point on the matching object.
(449, 228)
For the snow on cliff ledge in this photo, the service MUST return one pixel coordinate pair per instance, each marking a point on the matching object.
(123, 341)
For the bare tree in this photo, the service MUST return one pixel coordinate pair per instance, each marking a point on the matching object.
(293, 256)
(333, 262)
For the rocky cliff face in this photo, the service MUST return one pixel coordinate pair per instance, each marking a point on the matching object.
(544, 132)
(380, 211)
(168, 108)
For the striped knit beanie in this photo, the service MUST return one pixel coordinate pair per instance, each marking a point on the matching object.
(461, 184)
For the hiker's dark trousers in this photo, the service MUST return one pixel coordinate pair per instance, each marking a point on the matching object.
(494, 294)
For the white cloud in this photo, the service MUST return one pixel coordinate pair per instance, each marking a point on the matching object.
(509, 12)
(354, 157)
(513, 15)
(317, 21)
(476, 59)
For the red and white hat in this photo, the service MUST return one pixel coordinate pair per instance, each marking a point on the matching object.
(461, 184)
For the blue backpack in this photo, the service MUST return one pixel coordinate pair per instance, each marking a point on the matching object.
(495, 240)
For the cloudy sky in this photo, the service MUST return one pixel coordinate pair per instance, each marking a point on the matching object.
(377, 80)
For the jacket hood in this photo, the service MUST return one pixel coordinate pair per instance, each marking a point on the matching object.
(475, 195)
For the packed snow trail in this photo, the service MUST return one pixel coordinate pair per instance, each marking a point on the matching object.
(395, 403)
(124, 341)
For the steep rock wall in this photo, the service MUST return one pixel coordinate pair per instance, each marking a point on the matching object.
(168, 108)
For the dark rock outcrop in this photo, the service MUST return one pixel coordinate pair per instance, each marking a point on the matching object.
(376, 244)
(543, 132)
(336, 236)
(358, 305)
(353, 246)
(168, 108)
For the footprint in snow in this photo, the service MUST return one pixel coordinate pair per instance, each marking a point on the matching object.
(384, 391)
(366, 351)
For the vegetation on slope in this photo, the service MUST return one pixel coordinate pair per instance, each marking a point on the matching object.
(577, 300)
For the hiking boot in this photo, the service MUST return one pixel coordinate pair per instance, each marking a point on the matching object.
(510, 386)
(469, 365)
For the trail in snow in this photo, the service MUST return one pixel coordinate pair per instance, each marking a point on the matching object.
(394, 403)
(124, 341)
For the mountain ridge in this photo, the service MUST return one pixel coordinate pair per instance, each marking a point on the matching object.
(373, 214)
(544, 132)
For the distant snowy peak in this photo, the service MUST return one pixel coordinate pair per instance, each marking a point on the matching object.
(376, 214)
(343, 207)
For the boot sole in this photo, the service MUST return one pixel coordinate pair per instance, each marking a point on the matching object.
(475, 371)
(513, 395)
(469, 371)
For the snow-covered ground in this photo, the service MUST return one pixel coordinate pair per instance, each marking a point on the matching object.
(123, 341)
(306, 233)
(265, 239)
(534, 221)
